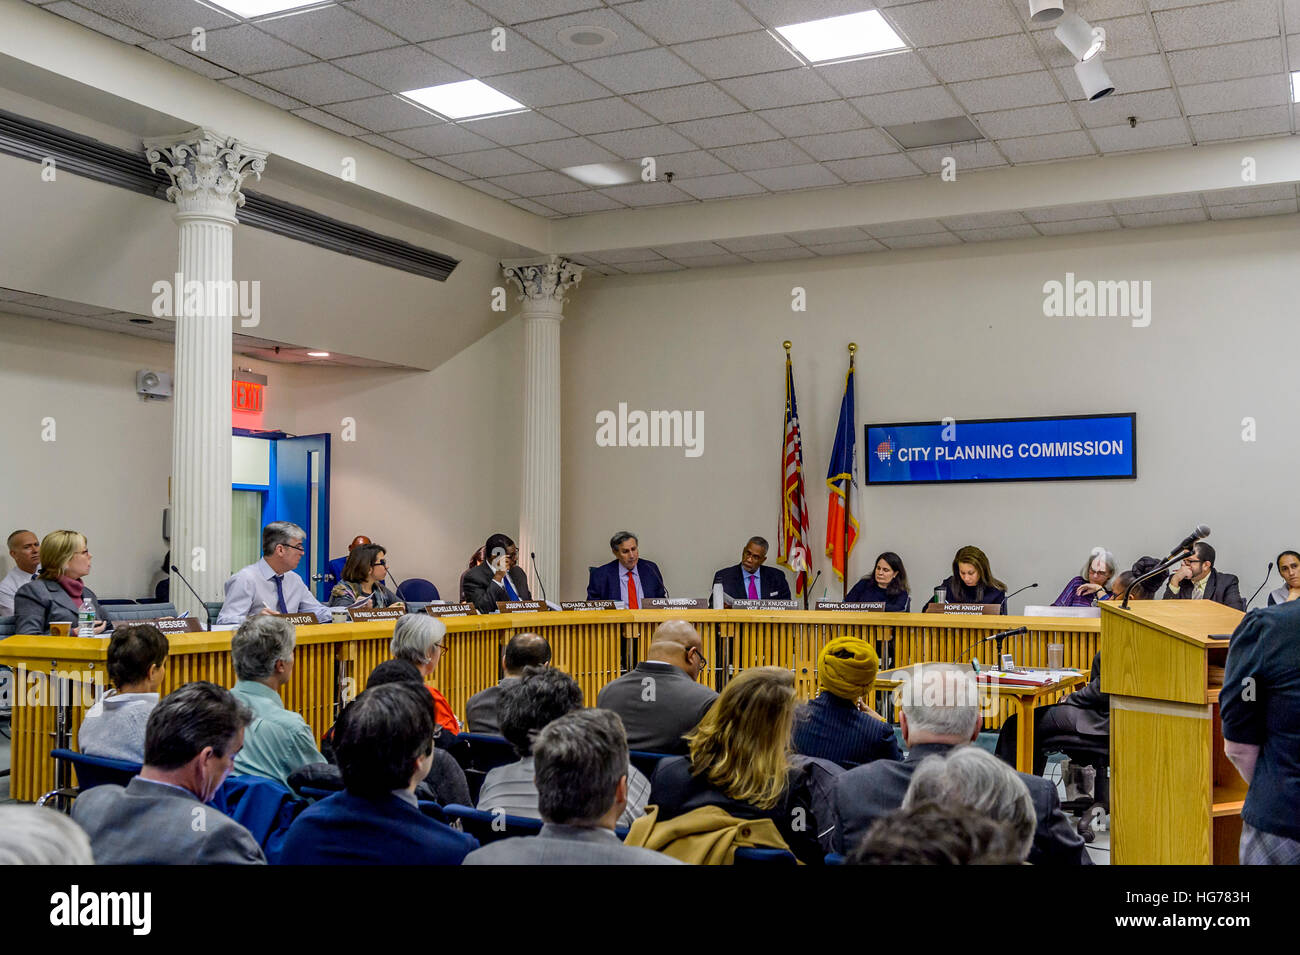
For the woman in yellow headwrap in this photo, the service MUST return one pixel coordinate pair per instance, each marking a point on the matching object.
(833, 726)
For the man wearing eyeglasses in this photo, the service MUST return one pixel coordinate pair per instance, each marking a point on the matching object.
(270, 585)
(1196, 579)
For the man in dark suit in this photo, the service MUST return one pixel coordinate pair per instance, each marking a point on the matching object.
(940, 710)
(384, 744)
(627, 578)
(750, 580)
(660, 700)
(498, 578)
(1196, 579)
(160, 818)
(523, 650)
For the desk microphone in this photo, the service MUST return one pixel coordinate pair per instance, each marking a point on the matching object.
(397, 586)
(207, 613)
(533, 557)
(809, 589)
(1267, 574)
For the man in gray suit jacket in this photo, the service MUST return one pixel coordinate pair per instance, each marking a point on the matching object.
(161, 818)
(581, 773)
(660, 699)
(523, 650)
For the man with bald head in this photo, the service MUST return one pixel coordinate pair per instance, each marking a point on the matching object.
(661, 700)
(523, 650)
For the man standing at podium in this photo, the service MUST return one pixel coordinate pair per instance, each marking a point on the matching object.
(750, 580)
(627, 578)
(1196, 579)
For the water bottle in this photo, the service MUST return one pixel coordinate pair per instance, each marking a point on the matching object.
(86, 619)
(938, 595)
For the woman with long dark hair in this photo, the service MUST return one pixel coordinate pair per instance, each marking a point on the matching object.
(887, 583)
(972, 581)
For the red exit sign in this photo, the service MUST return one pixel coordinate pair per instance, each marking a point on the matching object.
(247, 396)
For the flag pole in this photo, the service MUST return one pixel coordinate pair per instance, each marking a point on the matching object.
(848, 487)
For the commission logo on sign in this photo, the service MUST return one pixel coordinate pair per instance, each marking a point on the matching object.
(1072, 448)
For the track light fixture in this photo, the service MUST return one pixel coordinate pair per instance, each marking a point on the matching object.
(1080, 37)
(1045, 11)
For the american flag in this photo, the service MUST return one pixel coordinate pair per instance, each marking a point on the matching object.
(793, 551)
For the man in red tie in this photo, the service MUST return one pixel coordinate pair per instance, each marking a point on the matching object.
(750, 580)
(627, 578)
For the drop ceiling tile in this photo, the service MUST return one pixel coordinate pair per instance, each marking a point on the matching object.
(681, 103)
(952, 21)
(965, 155)
(1125, 37)
(675, 249)
(443, 169)
(1082, 210)
(118, 31)
(1279, 207)
(998, 234)
(440, 140)
(679, 21)
(980, 59)
(519, 11)
(874, 168)
(1075, 226)
(1186, 200)
(517, 128)
(533, 184)
(726, 130)
(779, 13)
(710, 261)
(647, 194)
(1231, 62)
(1235, 95)
(983, 220)
(388, 145)
(847, 248)
(825, 236)
(1160, 133)
(925, 241)
(648, 141)
(1250, 194)
(317, 84)
(258, 91)
(778, 152)
(806, 176)
(579, 203)
(548, 86)
(599, 116)
(810, 119)
(658, 265)
(1118, 107)
(419, 20)
(850, 145)
(160, 20)
(691, 165)
(562, 153)
(1052, 146)
(1132, 75)
(1007, 92)
(738, 55)
(1241, 124)
(878, 74)
(780, 255)
(164, 49)
(786, 88)
(1029, 121)
(330, 31)
(476, 54)
(1213, 24)
(322, 118)
(245, 49)
(908, 106)
(490, 188)
(485, 163)
(384, 113)
(640, 71)
(536, 208)
(621, 256)
(756, 243)
(402, 69)
(719, 186)
(1142, 220)
(890, 230)
(545, 33)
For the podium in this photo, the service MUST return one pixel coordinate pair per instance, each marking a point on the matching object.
(1174, 797)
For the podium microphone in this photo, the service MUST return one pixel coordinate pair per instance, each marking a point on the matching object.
(1199, 532)
(207, 613)
(1267, 574)
(533, 557)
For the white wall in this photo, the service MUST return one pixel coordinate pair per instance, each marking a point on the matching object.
(957, 332)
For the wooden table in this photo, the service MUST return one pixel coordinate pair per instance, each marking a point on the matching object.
(1024, 700)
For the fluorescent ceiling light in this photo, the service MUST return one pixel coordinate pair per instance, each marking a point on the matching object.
(464, 99)
(318, 354)
(835, 38)
(1295, 87)
(601, 174)
(248, 9)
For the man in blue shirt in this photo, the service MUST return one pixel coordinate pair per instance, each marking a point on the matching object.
(270, 586)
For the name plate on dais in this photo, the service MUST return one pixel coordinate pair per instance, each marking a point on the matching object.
(171, 624)
(868, 606)
(298, 619)
(383, 613)
(587, 605)
(964, 608)
(674, 603)
(748, 604)
(450, 610)
(520, 606)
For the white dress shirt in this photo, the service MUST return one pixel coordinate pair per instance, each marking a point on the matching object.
(253, 589)
(9, 586)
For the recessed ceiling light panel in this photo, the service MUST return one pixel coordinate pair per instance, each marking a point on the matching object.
(251, 9)
(468, 98)
(838, 38)
(935, 132)
(600, 174)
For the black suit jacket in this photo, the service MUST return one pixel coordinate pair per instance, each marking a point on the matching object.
(40, 602)
(1221, 588)
(864, 794)
(774, 586)
(484, 592)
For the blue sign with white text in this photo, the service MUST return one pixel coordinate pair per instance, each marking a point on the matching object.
(1080, 447)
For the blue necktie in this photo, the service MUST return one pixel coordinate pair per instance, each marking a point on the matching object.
(279, 592)
(510, 590)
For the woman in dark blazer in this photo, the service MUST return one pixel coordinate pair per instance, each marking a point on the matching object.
(56, 594)
(972, 582)
(888, 582)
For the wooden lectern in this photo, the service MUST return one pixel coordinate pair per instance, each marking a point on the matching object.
(1174, 797)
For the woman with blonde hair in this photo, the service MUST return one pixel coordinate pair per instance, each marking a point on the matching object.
(740, 760)
(56, 595)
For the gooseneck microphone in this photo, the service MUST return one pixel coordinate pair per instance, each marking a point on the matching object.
(207, 613)
(809, 589)
(1199, 532)
(533, 557)
(397, 587)
(1020, 591)
(1267, 574)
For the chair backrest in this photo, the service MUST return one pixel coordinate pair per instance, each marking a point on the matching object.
(264, 807)
(646, 762)
(214, 608)
(117, 601)
(139, 611)
(95, 771)
(482, 752)
(489, 827)
(835, 858)
(417, 588)
(756, 856)
(6, 626)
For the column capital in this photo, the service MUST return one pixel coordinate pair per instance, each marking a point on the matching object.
(542, 284)
(206, 170)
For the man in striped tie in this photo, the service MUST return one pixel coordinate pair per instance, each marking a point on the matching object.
(498, 578)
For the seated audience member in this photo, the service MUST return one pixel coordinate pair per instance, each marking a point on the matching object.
(421, 640)
(541, 694)
(1127, 578)
(887, 584)
(1089, 586)
(363, 576)
(927, 834)
(660, 700)
(159, 818)
(25, 552)
(969, 777)
(40, 835)
(270, 586)
(334, 569)
(475, 559)
(498, 578)
(523, 650)
(56, 595)
(1080, 721)
(839, 724)
(750, 580)
(972, 582)
(580, 767)
(1288, 565)
(384, 743)
(740, 760)
(941, 710)
(279, 741)
(1197, 579)
(114, 727)
(627, 578)
(1261, 731)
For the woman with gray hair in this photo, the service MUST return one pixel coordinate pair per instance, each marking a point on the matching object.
(1089, 586)
(421, 639)
(970, 777)
(35, 835)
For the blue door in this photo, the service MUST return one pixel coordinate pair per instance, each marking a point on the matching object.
(300, 493)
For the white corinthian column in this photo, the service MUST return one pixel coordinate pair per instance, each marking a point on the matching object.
(206, 171)
(542, 287)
